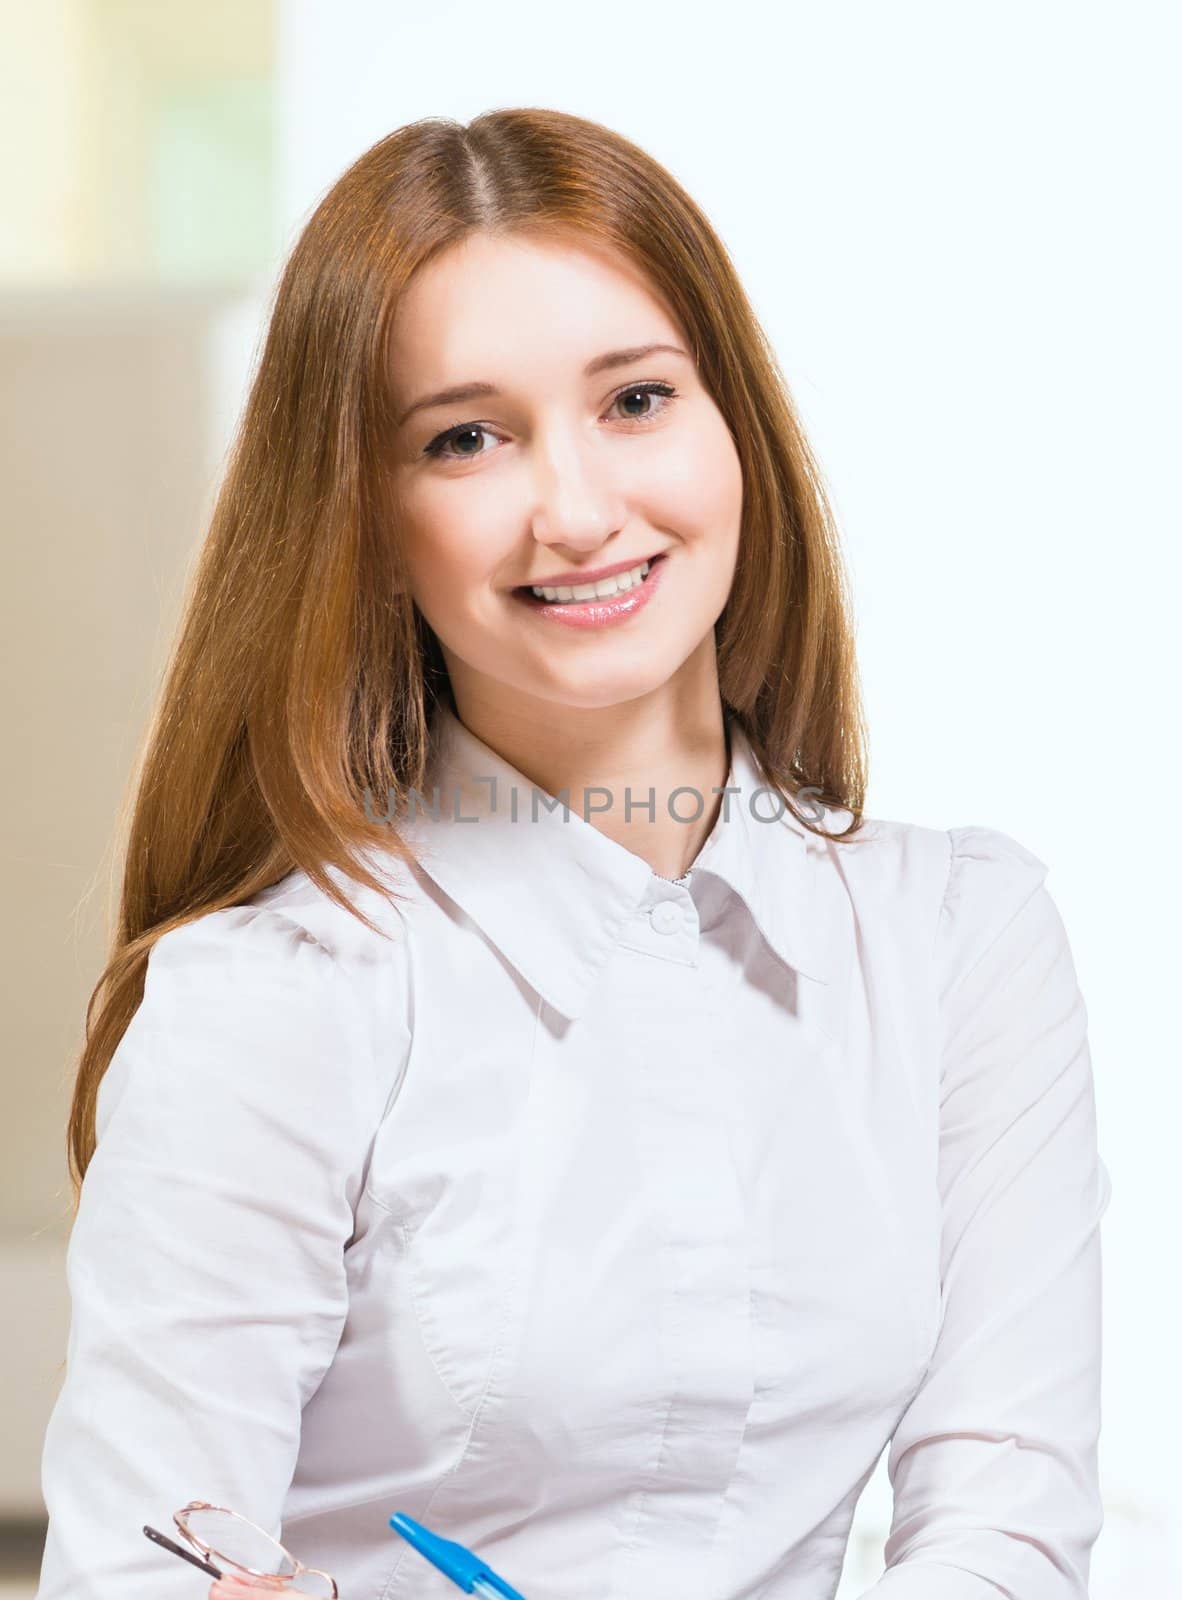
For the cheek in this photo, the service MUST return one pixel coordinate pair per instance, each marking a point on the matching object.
(451, 544)
(702, 486)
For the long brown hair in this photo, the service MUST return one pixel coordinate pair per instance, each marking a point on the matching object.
(303, 675)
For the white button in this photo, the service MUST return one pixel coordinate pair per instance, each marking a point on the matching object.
(665, 917)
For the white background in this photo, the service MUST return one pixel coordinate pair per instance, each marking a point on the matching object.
(959, 227)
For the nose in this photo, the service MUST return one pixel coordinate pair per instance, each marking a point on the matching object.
(577, 506)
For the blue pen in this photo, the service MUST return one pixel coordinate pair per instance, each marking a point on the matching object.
(454, 1560)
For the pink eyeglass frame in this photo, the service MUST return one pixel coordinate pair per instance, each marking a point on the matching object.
(274, 1579)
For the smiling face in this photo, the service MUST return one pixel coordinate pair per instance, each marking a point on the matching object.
(571, 466)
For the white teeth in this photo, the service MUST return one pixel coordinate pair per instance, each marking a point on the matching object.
(606, 587)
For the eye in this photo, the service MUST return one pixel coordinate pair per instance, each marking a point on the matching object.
(438, 446)
(665, 390)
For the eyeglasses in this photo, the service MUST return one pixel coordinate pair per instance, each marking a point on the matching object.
(226, 1542)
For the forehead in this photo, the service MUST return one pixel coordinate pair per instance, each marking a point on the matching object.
(487, 301)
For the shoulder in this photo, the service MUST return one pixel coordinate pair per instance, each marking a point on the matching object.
(960, 886)
(292, 931)
(299, 905)
(287, 986)
(902, 864)
(995, 892)
(987, 864)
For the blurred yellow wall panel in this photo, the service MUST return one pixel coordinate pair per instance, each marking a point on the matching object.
(140, 140)
(41, 73)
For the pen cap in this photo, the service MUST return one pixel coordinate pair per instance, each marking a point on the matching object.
(454, 1560)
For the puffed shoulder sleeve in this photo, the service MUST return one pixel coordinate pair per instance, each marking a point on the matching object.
(994, 1465)
(206, 1264)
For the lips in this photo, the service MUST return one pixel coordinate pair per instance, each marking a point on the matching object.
(526, 590)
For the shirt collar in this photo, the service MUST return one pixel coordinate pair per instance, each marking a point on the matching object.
(554, 894)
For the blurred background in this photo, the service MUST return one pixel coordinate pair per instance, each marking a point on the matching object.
(959, 227)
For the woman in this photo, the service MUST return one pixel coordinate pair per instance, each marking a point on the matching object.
(529, 1093)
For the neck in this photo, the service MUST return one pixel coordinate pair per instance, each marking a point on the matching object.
(604, 761)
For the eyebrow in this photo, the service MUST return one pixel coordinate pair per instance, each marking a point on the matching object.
(475, 391)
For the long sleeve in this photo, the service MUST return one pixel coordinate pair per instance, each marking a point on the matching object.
(994, 1464)
(206, 1264)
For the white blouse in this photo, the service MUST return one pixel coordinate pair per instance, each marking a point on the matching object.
(608, 1224)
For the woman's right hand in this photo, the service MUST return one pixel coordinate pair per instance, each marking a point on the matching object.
(230, 1587)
